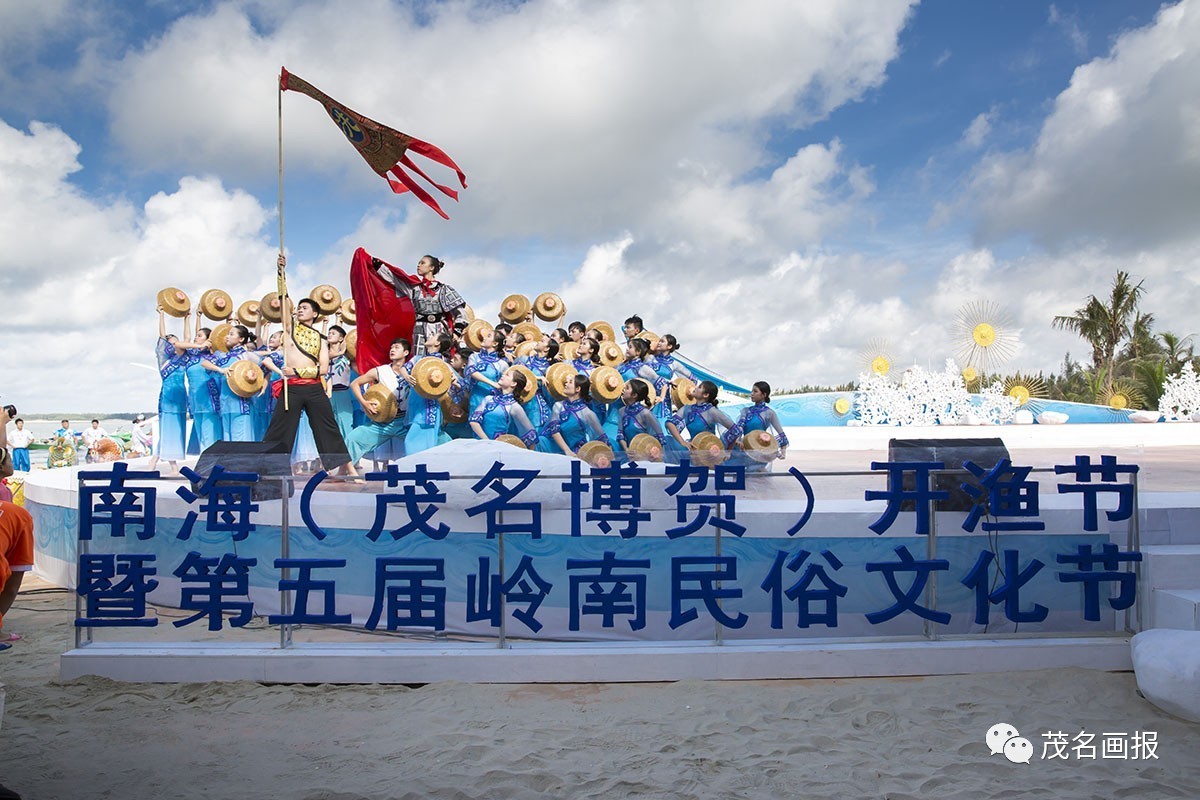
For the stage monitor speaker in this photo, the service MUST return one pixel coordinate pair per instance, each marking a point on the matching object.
(268, 459)
(952, 453)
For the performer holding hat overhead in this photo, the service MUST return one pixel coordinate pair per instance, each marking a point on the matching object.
(307, 357)
(173, 359)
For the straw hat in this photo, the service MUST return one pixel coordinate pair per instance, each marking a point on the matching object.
(174, 302)
(351, 342)
(514, 308)
(556, 380)
(525, 349)
(348, 310)
(271, 309)
(327, 298)
(598, 454)
(760, 446)
(245, 378)
(453, 412)
(247, 313)
(432, 377)
(108, 449)
(529, 330)
(568, 351)
(605, 329)
(549, 306)
(644, 447)
(650, 337)
(707, 450)
(217, 337)
(611, 354)
(475, 333)
(387, 403)
(216, 304)
(515, 441)
(681, 391)
(607, 384)
(531, 383)
(468, 313)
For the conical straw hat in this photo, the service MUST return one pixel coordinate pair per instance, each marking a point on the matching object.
(605, 329)
(708, 451)
(468, 313)
(682, 392)
(247, 313)
(556, 379)
(568, 351)
(245, 378)
(549, 306)
(432, 377)
(387, 403)
(452, 412)
(607, 384)
(174, 302)
(271, 309)
(327, 298)
(531, 383)
(515, 441)
(760, 446)
(650, 337)
(529, 330)
(217, 337)
(514, 308)
(474, 335)
(351, 342)
(348, 311)
(644, 447)
(525, 349)
(611, 354)
(216, 304)
(598, 454)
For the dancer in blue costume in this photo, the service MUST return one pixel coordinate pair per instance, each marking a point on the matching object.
(260, 403)
(761, 417)
(339, 381)
(572, 422)
(669, 370)
(636, 416)
(237, 425)
(173, 359)
(460, 394)
(502, 413)
(703, 416)
(485, 368)
(424, 418)
(640, 364)
(537, 408)
(585, 357)
(366, 438)
(203, 392)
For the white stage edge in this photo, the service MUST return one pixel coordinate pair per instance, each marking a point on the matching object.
(471, 662)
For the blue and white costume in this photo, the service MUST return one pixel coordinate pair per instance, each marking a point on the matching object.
(172, 402)
(501, 414)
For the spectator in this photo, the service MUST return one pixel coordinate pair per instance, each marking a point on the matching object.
(18, 442)
(92, 437)
(16, 558)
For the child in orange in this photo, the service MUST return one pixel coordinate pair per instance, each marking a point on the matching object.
(16, 557)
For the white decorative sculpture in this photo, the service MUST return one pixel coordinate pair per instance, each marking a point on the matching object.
(1181, 394)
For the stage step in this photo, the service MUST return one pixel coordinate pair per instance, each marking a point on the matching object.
(1177, 608)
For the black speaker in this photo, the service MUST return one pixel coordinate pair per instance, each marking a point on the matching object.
(952, 453)
(268, 459)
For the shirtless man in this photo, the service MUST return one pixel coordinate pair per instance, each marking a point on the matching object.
(306, 355)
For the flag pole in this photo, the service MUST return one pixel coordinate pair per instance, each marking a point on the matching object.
(282, 277)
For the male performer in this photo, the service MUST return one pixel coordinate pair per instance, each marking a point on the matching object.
(306, 354)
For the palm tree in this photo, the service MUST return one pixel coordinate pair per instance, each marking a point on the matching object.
(1105, 325)
(1176, 350)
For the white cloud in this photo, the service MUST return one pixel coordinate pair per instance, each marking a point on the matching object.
(975, 134)
(1118, 158)
(1069, 25)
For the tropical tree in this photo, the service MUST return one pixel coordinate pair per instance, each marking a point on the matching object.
(1105, 325)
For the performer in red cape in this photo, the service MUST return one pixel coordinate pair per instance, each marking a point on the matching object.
(392, 304)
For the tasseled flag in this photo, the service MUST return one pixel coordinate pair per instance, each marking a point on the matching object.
(385, 149)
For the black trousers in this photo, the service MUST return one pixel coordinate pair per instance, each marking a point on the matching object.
(310, 398)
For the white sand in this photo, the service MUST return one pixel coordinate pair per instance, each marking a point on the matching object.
(882, 738)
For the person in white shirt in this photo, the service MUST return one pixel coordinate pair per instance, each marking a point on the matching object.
(19, 441)
(142, 440)
(92, 437)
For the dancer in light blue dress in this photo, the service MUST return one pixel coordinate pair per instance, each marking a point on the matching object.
(173, 359)
(237, 423)
(636, 416)
(484, 369)
(339, 377)
(502, 414)
(424, 418)
(537, 408)
(203, 394)
(572, 422)
(761, 417)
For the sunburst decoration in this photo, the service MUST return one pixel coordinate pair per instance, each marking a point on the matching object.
(1027, 390)
(842, 406)
(970, 377)
(986, 336)
(1123, 396)
(876, 357)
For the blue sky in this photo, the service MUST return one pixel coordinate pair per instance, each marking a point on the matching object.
(782, 189)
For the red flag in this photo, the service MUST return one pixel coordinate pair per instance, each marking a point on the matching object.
(385, 149)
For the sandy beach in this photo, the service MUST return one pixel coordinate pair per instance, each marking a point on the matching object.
(880, 738)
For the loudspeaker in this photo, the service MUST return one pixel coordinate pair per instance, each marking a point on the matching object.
(952, 453)
(267, 459)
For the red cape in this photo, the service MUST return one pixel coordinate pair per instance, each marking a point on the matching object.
(381, 315)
